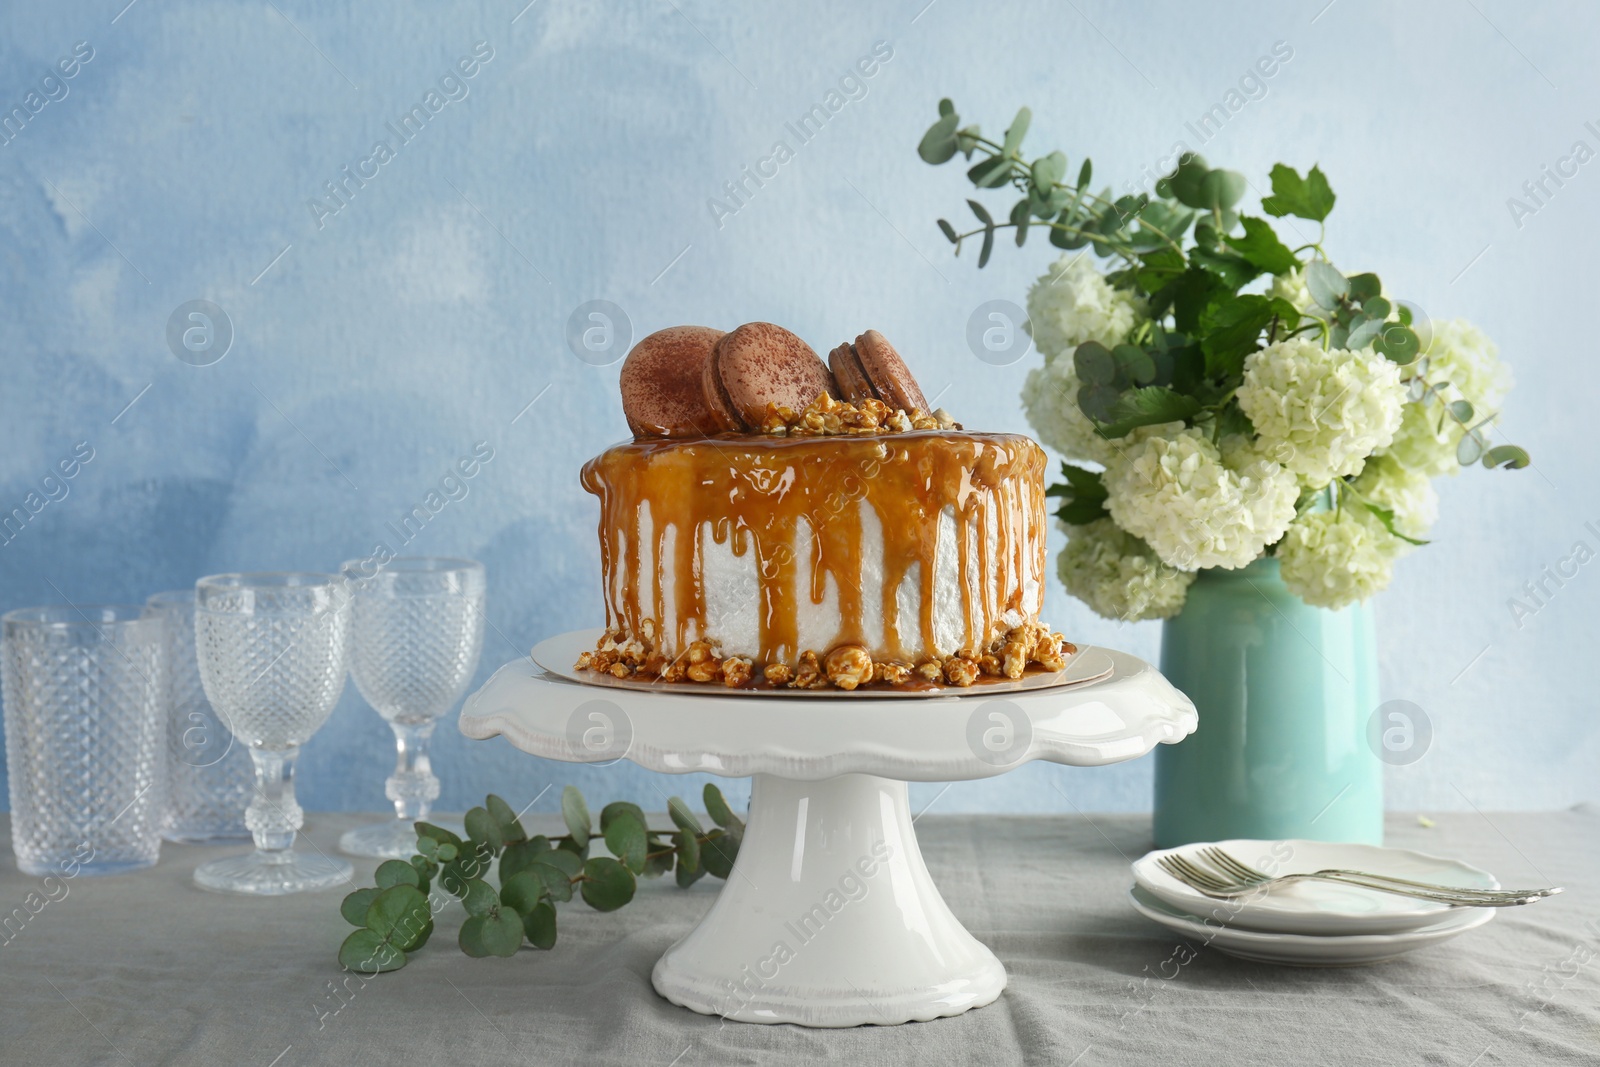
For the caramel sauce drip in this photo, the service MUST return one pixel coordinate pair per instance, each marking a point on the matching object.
(758, 493)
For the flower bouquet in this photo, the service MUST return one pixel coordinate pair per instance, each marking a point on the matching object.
(1227, 400)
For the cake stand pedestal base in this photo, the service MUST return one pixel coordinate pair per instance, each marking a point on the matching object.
(829, 918)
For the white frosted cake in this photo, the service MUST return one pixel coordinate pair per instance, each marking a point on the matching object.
(847, 544)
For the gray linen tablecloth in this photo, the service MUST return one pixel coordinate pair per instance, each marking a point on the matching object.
(146, 969)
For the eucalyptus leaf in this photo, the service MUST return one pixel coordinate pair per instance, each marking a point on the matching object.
(607, 885)
(1363, 333)
(1094, 364)
(949, 231)
(687, 876)
(1470, 448)
(1221, 189)
(1326, 284)
(480, 897)
(612, 811)
(354, 906)
(368, 953)
(718, 852)
(1365, 287)
(1097, 401)
(506, 819)
(688, 846)
(1460, 410)
(1017, 131)
(1149, 406)
(1085, 173)
(1134, 364)
(518, 858)
(499, 933)
(990, 173)
(717, 808)
(402, 915)
(1046, 171)
(1399, 344)
(482, 829)
(576, 815)
(627, 841)
(437, 834)
(682, 817)
(540, 925)
(522, 893)
(1186, 181)
(1509, 456)
(939, 143)
(396, 872)
(1021, 216)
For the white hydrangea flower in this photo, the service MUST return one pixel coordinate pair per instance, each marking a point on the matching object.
(1332, 409)
(1050, 400)
(1118, 575)
(1292, 287)
(1331, 559)
(1407, 492)
(1074, 303)
(1462, 356)
(1194, 510)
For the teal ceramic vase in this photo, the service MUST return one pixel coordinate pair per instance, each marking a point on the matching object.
(1284, 692)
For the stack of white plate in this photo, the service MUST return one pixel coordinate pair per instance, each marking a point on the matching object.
(1311, 922)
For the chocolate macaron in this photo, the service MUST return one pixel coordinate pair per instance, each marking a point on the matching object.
(871, 368)
(661, 382)
(760, 364)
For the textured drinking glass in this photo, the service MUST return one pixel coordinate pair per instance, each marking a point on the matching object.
(273, 649)
(209, 775)
(85, 738)
(418, 632)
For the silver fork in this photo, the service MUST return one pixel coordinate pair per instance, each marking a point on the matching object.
(1246, 873)
(1230, 887)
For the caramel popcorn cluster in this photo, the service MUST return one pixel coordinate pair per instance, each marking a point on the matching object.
(844, 667)
(827, 417)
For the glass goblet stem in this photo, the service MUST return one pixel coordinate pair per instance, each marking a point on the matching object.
(273, 816)
(413, 787)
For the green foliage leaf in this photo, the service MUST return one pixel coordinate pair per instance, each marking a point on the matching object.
(482, 829)
(1230, 268)
(1386, 517)
(1094, 364)
(506, 819)
(627, 841)
(1261, 246)
(1148, 406)
(1085, 172)
(1308, 197)
(519, 857)
(402, 915)
(1017, 131)
(1134, 364)
(617, 808)
(522, 893)
(576, 815)
(1046, 171)
(688, 846)
(1363, 333)
(480, 897)
(682, 817)
(1399, 344)
(949, 231)
(990, 173)
(1328, 287)
(498, 933)
(1084, 496)
(1365, 288)
(1096, 401)
(1021, 216)
(687, 877)
(437, 834)
(1471, 448)
(718, 853)
(1231, 329)
(1184, 185)
(354, 907)
(1509, 456)
(717, 807)
(607, 885)
(939, 143)
(568, 863)
(540, 925)
(1221, 189)
(368, 953)
(397, 872)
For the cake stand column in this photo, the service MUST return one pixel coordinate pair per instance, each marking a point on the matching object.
(829, 918)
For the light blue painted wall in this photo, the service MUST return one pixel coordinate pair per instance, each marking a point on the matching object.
(374, 350)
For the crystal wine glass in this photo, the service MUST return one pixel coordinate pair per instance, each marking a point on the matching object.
(273, 649)
(418, 631)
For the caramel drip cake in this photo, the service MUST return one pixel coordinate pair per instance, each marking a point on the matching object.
(828, 531)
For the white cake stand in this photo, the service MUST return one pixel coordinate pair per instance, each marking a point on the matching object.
(829, 917)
